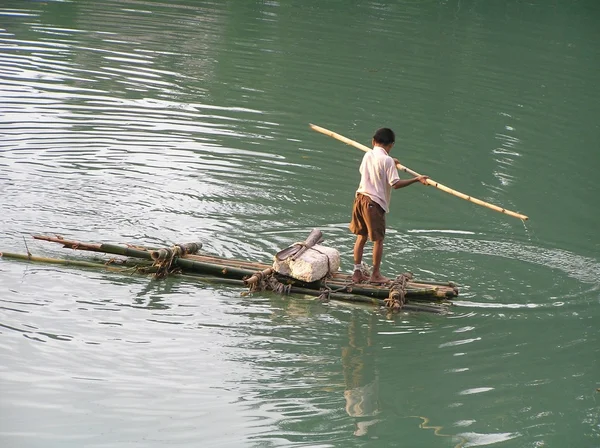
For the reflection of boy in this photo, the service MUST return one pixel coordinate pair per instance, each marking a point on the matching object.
(362, 382)
(378, 176)
(363, 402)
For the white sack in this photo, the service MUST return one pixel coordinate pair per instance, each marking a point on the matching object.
(312, 265)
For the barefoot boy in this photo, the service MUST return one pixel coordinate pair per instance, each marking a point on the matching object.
(378, 176)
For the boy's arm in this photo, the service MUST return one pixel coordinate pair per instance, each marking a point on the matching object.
(401, 183)
(406, 182)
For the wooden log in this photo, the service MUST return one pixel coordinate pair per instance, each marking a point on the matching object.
(431, 282)
(178, 250)
(104, 247)
(383, 292)
(243, 264)
(77, 263)
(161, 254)
(255, 278)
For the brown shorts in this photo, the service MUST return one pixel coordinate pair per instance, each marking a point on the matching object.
(368, 218)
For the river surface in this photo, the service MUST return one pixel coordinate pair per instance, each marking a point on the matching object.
(155, 122)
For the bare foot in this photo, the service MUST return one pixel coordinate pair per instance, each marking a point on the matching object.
(379, 279)
(358, 277)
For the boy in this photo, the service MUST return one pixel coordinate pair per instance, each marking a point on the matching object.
(378, 176)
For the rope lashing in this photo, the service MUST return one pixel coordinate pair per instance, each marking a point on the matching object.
(397, 297)
(176, 250)
(266, 281)
(329, 273)
(324, 296)
(302, 247)
(326, 291)
(164, 258)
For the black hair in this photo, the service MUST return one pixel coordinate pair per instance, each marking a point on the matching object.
(384, 136)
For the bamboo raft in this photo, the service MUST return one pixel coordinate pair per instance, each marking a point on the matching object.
(404, 293)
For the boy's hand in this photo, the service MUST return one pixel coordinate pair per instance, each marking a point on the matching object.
(423, 179)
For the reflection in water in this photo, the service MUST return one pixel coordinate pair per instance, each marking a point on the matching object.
(361, 376)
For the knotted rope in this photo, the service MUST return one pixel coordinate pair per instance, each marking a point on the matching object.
(329, 273)
(397, 297)
(266, 281)
(164, 258)
(326, 290)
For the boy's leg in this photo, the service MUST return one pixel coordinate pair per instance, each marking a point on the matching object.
(359, 246)
(376, 276)
(376, 225)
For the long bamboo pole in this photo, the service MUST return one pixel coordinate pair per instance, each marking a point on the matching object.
(414, 173)
(77, 263)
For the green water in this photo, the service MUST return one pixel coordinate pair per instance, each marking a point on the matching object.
(161, 122)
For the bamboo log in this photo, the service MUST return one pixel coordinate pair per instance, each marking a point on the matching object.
(430, 282)
(179, 250)
(255, 278)
(104, 247)
(411, 293)
(414, 173)
(77, 263)
(253, 265)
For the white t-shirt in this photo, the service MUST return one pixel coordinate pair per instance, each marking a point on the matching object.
(378, 174)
